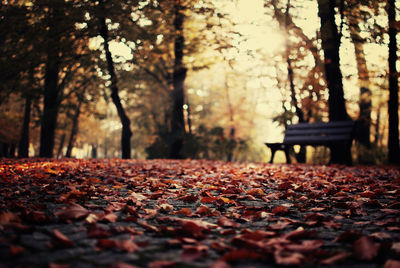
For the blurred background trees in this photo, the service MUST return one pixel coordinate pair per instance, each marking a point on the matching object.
(198, 79)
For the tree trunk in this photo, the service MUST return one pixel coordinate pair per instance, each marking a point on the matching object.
(393, 142)
(331, 44)
(94, 151)
(51, 87)
(126, 123)
(23, 147)
(231, 142)
(377, 127)
(364, 118)
(74, 129)
(61, 146)
(178, 93)
(301, 156)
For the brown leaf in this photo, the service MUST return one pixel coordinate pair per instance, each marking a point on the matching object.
(61, 240)
(280, 210)
(288, 258)
(305, 246)
(56, 265)
(110, 217)
(165, 207)
(15, 251)
(396, 247)
(184, 212)
(193, 252)
(127, 245)
(73, 212)
(8, 217)
(335, 258)
(225, 222)
(365, 249)
(381, 236)
(392, 264)
(122, 265)
(207, 199)
(257, 235)
(220, 264)
(106, 243)
(161, 264)
(241, 254)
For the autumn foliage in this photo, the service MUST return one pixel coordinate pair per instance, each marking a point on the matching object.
(168, 213)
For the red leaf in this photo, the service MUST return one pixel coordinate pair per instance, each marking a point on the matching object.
(122, 265)
(225, 222)
(106, 243)
(7, 217)
(110, 217)
(280, 210)
(55, 265)
(305, 246)
(392, 264)
(61, 240)
(94, 231)
(365, 249)
(279, 226)
(220, 264)
(15, 251)
(193, 252)
(161, 264)
(348, 236)
(207, 199)
(184, 212)
(74, 211)
(127, 245)
(335, 258)
(288, 258)
(190, 198)
(241, 254)
(257, 235)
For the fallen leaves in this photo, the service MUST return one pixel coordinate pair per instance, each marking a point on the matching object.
(206, 213)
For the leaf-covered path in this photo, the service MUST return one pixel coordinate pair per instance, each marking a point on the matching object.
(166, 213)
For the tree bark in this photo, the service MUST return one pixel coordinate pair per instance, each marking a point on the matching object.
(74, 129)
(393, 142)
(331, 44)
(61, 146)
(23, 147)
(365, 105)
(231, 142)
(178, 92)
(51, 86)
(126, 123)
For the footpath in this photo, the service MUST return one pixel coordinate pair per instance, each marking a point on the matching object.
(195, 213)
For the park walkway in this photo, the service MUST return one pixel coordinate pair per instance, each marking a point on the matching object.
(188, 213)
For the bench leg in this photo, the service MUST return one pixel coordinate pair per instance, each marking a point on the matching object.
(272, 155)
(287, 149)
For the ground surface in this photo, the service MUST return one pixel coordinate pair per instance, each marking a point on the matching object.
(164, 213)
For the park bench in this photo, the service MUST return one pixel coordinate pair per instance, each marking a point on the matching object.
(328, 134)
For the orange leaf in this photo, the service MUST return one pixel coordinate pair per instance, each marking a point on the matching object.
(184, 212)
(280, 210)
(207, 199)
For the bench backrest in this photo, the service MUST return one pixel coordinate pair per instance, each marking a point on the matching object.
(319, 133)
